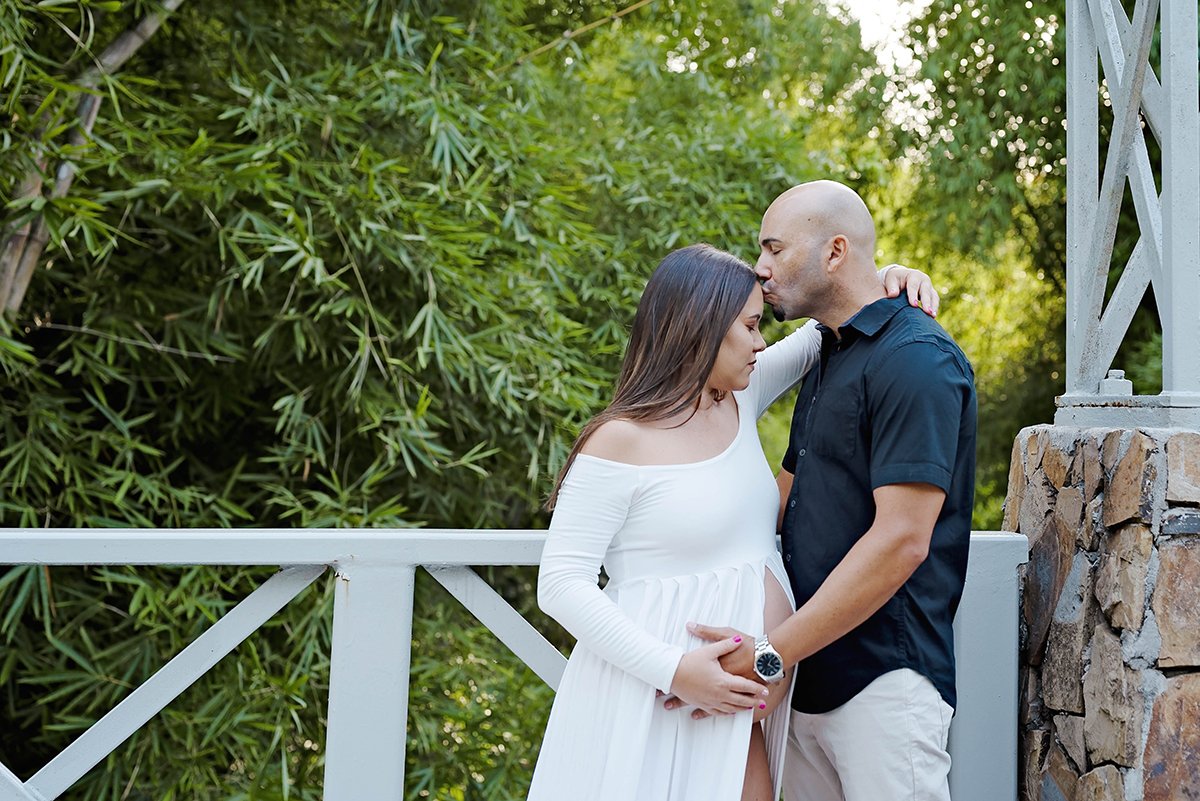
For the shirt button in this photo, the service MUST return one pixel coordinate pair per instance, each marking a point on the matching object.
(803, 451)
(792, 503)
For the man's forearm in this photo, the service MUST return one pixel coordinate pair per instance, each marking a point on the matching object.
(875, 568)
(871, 573)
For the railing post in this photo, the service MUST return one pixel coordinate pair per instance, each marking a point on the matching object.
(983, 736)
(1083, 181)
(1181, 200)
(368, 682)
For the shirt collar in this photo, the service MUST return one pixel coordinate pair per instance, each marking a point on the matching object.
(870, 318)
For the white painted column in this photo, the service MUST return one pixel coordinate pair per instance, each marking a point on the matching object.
(983, 736)
(1181, 199)
(1083, 180)
(368, 682)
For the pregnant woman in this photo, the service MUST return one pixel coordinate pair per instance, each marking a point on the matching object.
(668, 488)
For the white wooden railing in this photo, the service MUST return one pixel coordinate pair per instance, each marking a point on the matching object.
(374, 571)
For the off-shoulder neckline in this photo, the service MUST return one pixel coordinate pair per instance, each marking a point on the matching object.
(728, 449)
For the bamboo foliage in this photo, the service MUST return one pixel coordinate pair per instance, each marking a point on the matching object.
(335, 263)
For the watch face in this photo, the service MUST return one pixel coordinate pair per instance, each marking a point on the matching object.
(768, 664)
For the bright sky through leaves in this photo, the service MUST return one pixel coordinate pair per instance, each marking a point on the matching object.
(882, 23)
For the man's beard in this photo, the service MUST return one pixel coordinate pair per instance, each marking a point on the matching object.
(780, 314)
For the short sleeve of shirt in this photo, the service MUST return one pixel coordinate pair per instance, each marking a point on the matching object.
(917, 397)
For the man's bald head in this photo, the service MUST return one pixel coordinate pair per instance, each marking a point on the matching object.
(823, 209)
(817, 252)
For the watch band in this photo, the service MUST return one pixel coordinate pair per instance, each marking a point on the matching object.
(768, 664)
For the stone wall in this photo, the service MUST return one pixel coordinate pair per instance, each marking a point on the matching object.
(1110, 632)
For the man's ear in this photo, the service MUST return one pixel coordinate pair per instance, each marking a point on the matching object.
(838, 249)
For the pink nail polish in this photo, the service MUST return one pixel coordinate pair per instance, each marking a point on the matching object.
(762, 706)
(737, 639)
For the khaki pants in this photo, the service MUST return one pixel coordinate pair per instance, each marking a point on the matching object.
(888, 743)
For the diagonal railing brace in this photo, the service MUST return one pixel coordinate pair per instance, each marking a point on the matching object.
(172, 679)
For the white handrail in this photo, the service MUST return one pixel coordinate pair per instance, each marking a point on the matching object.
(374, 572)
(269, 546)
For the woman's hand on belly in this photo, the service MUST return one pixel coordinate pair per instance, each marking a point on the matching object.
(701, 682)
(738, 661)
(776, 609)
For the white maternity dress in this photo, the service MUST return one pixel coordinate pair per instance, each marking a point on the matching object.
(680, 543)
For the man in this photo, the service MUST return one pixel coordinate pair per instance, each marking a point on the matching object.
(876, 493)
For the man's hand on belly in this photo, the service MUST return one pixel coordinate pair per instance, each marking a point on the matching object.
(739, 662)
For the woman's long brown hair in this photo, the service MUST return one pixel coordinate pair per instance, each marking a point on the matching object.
(689, 303)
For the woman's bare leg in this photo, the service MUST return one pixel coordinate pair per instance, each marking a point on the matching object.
(757, 785)
(776, 609)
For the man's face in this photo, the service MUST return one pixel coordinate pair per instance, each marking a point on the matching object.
(788, 267)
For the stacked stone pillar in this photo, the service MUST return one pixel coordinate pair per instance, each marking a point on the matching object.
(1110, 634)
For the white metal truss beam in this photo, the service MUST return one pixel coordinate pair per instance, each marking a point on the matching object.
(1181, 205)
(1126, 94)
(1167, 254)
(1083, 177)
(1109, 16)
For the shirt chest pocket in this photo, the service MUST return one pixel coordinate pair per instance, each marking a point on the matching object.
(834, 431)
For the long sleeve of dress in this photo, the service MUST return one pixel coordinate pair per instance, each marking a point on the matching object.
(782, 365)
(592, 505)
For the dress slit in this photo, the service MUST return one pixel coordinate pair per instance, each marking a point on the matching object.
(775, 726)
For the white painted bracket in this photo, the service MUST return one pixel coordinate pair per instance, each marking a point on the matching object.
(505, 622)
(173, 678)
(13, 789)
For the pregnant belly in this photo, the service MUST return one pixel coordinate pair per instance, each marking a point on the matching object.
(747, 597)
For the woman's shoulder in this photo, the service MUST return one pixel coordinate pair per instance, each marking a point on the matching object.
(617, 441)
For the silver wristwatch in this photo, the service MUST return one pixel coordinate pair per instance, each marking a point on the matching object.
(768, 664)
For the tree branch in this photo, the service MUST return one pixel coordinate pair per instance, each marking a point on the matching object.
(566, 35)
(14, 246)
(34, 243)
(125, 45)
(138, 343)
(23, 249)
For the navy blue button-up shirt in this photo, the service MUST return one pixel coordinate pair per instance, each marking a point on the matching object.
(891, 402)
